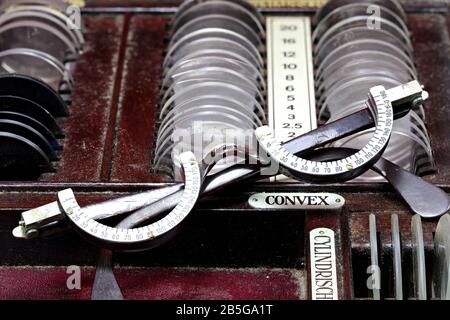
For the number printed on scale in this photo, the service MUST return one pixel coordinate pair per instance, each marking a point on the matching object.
(290, 66)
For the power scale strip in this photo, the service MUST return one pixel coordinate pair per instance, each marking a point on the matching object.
(291, 96)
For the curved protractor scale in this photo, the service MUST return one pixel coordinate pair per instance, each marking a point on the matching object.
(397, 257)
(21, 159)
(34, 90)
(33, 123)
(138, 238)
(32, 109)
(340, 170)
(418, 250)
(441, 272)
(374, 265)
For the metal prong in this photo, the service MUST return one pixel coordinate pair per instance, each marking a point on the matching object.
(19, 231)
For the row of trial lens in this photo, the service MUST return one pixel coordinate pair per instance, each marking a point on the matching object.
(427, 284)
(358, 45)
(213, 84)
(39, 46)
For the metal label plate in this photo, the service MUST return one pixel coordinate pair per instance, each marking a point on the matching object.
(296, 201)
(323, 264)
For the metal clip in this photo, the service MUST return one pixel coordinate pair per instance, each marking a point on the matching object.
(34, 219)
(406, 96)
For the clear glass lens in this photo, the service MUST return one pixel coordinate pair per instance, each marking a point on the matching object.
(352, 56)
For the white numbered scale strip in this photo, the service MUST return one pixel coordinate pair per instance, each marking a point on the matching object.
(383, 106)
(291, 104)
(292, 109)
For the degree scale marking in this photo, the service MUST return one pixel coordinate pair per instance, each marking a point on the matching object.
(141, 234)
(377, 143)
